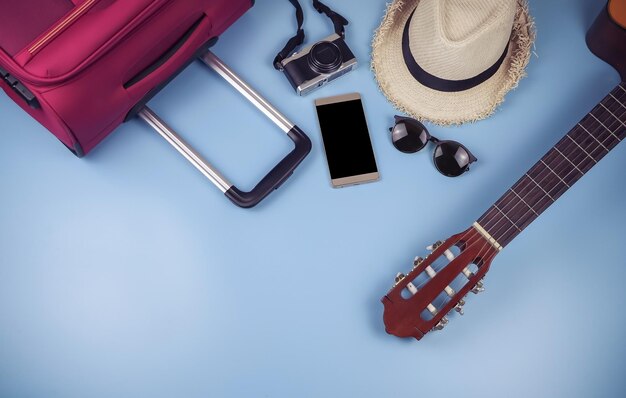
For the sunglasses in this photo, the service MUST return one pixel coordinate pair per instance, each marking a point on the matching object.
(450, 157)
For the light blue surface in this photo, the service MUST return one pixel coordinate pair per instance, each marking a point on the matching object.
(126, 274)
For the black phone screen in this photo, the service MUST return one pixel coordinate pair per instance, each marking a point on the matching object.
(346, 139)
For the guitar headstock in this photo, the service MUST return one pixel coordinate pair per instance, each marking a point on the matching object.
(438, 284)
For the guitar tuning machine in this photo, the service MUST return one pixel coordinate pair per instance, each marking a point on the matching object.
(479, 288)
(459, 307)
(434, 246)
(447, 253)
(441, 324)
(418, 260)
(399, 277)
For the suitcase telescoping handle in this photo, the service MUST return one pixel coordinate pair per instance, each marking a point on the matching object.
(274, 178)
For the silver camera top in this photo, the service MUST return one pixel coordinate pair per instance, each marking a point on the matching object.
(318, 63)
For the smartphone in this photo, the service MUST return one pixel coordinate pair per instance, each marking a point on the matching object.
(346, 139)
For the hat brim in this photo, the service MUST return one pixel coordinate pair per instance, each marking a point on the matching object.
(446, 108)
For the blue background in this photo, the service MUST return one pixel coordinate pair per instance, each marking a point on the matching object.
(126, 274)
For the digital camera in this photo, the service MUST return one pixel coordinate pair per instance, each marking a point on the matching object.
(319, 64)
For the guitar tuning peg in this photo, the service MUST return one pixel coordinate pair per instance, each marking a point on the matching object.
(434, 246)
(442, 323)
(399, 278)
(459, 307)
(479, 288)
(417, 261)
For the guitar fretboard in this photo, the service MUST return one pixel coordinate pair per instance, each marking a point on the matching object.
(573, 156)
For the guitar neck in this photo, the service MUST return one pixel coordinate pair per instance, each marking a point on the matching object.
(589, 141)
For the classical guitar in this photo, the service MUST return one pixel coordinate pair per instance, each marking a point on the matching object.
(421, 300)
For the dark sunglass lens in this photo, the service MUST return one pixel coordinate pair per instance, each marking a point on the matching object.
(408, 137)
(451, 159)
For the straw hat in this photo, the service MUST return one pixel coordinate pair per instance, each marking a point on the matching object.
(451, 61)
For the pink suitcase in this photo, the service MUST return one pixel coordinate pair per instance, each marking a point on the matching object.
(83, 67)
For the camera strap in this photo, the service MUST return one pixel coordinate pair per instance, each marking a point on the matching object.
(338, 21)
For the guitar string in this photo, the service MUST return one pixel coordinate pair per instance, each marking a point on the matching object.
(563, 161)
(569, 146)
(550, 171)
(482, 251)
(551, 156)
(486, 243)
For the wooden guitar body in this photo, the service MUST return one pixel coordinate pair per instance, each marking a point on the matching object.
(607, 36)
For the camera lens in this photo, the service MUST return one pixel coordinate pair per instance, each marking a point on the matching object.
(325, 57)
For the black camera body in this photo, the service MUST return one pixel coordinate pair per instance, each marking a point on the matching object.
(319, 64)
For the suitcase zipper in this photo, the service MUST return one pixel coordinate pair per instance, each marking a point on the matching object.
(17, 70)
(54, 32)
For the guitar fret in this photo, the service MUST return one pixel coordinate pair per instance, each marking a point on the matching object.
(572, 168)
(507, 217)
(576, 166)
(545, 188)
(522, 217)
(561, 169)
(524, 198)
(577, 156)
(523, 201)
(613, 117)
(606, 128)
(576, 153)
(529, 194)
(592, 136)
(618, 101)
(553, 172)
(570, 162)
(618, 111)
(587, 153)
(526, 190)
(612, 114)
(544, 191)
